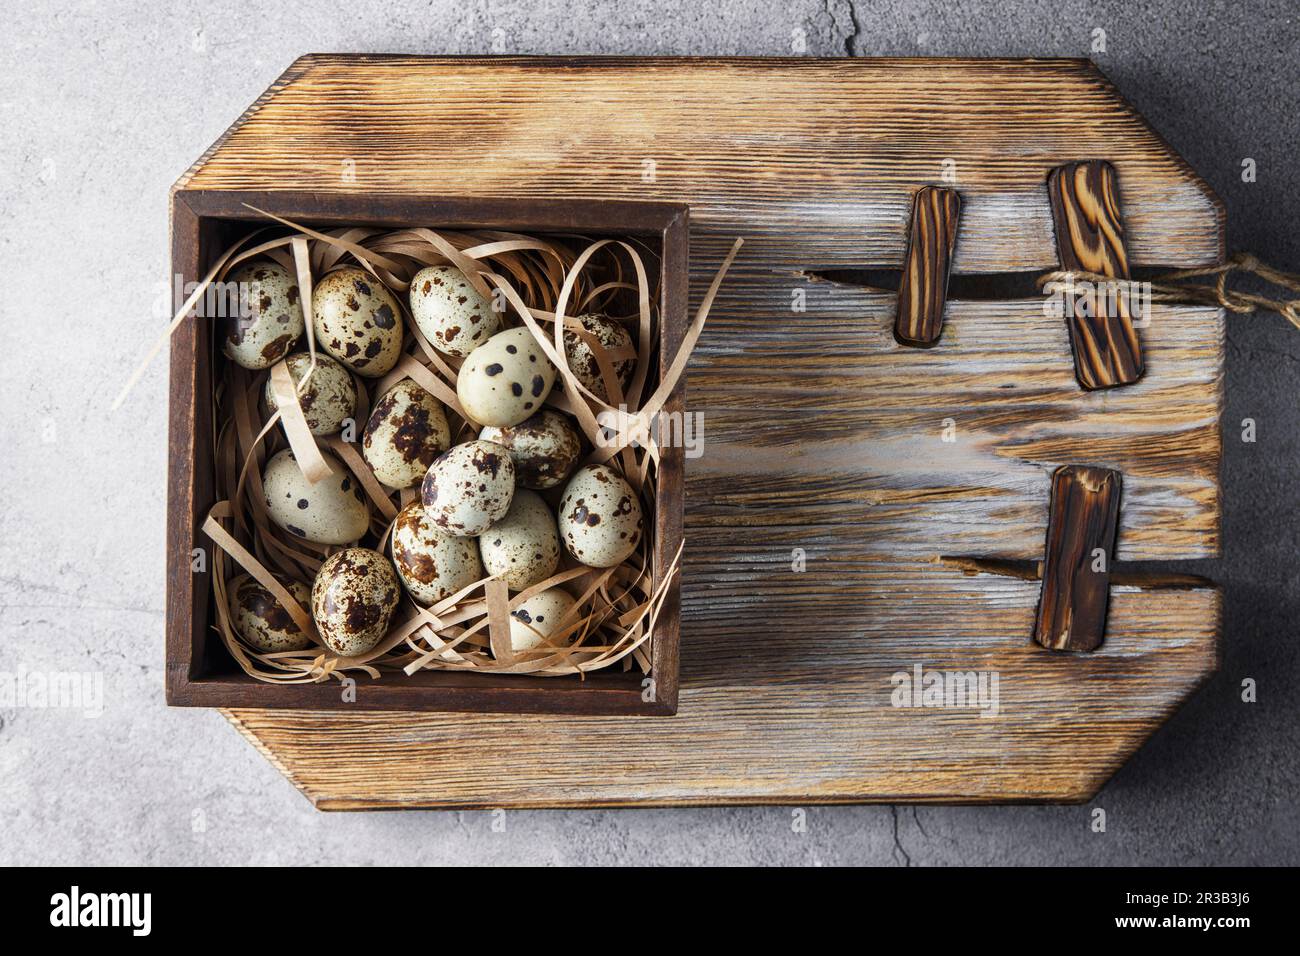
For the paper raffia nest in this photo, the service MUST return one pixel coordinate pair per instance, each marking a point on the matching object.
(543, 283)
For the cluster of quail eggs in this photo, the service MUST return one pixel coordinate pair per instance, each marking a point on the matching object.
(501, 504)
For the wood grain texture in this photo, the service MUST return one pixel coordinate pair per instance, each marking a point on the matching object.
(813, 161)
(809, 719)
(918, 320)
(1090, 238)
(823, 437)
(1082, 520)
(821, 422)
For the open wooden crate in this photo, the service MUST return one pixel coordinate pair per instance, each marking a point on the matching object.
(833, 539)
(199, 670)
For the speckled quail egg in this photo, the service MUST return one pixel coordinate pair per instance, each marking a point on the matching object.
(406, 432)
(532, 622)
(358, 321)
(582, 360)
(432, 563)
(328, 399)
(599, 517)
(261, 620)
(522, 549)
(452, 314)
(353, 599)
(268, 316)
(469, 488)
(332, 511)
(506, 379)
(544, 448)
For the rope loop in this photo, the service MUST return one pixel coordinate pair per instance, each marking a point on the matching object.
(1174, 287)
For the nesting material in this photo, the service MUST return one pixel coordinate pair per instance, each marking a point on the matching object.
(449, 438)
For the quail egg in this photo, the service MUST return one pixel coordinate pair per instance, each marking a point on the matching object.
(599, 517)
(533, 622)
(582, 360)
(267, 319)
(358, 321)
(469, 488)
(506, 379)
(522, 548)
(406, 432)
(328, 400)
(353, 599)
(332, 511)
(261, 620)
(431, 563)
(452, 314)
(544, 448)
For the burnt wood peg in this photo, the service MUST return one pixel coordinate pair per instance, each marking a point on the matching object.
(924, 285)
(1090, 238)
(1081, 524)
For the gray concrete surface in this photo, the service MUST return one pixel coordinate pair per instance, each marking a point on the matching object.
(103, 105)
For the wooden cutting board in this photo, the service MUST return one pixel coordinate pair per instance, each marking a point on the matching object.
(830, 528)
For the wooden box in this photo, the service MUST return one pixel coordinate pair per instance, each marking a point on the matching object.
(200, 672)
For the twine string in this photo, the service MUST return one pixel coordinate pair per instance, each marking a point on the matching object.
(1174, 287)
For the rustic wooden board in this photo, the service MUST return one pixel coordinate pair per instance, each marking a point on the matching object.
(803, 717)
(823, 437)
(820, 419)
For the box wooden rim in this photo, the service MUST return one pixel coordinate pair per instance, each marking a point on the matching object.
(190, 495)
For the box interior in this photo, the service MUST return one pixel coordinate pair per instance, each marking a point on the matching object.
(212, 669)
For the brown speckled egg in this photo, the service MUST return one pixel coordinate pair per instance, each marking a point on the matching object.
(522, 549)
(358, 321)
(431, 563)
(599, 517)
(451, 313)
(506, 379)
(353, 599)
(267, 319)
(328, 399)
(544, 448)
(582, 361)
(406, 432)
(332, 511)
(261, 620)
(537, 618)
(468, 488)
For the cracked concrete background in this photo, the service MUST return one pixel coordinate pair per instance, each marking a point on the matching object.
(104, 105)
